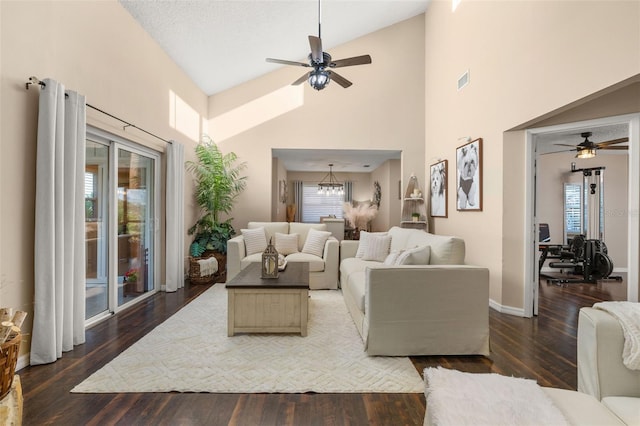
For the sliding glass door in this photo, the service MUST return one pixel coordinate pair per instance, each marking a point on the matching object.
(121, 185)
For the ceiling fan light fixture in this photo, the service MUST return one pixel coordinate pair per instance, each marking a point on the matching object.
(586, 153)
(319, 78)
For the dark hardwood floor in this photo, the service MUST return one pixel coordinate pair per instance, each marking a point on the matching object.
(541, 348)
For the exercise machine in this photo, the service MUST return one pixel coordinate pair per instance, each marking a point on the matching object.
(585, 254)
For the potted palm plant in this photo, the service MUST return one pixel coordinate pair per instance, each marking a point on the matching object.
(218, 182)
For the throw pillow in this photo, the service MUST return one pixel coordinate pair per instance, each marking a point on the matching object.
(315, 242)
(255, 240)
(415, 256)
(392, 257)
(378, 248)
(364, 241)
(286, 243)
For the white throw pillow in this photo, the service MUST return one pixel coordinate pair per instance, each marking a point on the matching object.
(364, 241)
(286, 243)
(378, 248)
(315, 242)
(392, 257)
(255, 240)
(415, 256)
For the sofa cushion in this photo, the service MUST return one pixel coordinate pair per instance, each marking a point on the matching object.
(350, 265)
(286, 243)
(378, 248)
(316, 264)
(414, 256)
(581, 409)
(364, 241)
(627, 408)
(392, 257)
(270, 228)
(445, 250)
(256, 257)
(357, 287)
(255, 240)
(315, 242)
(302, 229)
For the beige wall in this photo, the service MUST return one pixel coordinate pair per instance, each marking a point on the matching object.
(388, 175)
(97, 49)
(526, 59)
(384, 109)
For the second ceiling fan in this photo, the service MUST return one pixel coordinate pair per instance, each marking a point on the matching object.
(587, 148)
(322, 64)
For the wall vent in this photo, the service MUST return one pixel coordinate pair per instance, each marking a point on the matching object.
(463, 80)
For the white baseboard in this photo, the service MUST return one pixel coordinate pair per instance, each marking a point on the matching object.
(23, 361)
(509, 310)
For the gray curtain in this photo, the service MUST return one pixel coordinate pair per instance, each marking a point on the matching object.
(59, 247)
(348, 191)
(297, 199)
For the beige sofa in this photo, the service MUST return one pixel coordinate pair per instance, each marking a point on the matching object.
(601, 372)
(323, 271)
(439, 308)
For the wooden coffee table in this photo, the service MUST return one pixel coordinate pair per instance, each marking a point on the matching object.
(279, 305)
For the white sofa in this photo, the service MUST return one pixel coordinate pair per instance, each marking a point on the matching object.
(577, 408)
(323, 271)
(439, 308)
(601, 372)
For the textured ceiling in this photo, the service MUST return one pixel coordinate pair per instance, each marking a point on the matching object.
(221, 44)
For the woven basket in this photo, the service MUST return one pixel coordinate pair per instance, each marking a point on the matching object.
(8, 359)
(194, 269)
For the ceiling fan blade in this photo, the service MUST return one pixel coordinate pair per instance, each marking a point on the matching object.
(285, 62)
(564, 144)
(347, 62)
(339, 79)
(316, 49)
(557, 152)
(619, 148)
(612, 142)
(301, 80)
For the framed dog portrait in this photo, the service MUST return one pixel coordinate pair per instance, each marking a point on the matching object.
(438, 189)
(469, 176)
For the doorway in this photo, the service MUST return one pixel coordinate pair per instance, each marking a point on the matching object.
(121, 197)
(542, 143)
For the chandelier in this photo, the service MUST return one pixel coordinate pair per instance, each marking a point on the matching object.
(329, 184)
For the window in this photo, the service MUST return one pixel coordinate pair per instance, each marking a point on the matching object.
(315, 206)
(572, 210)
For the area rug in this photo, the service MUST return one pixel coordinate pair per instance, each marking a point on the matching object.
(190, 352)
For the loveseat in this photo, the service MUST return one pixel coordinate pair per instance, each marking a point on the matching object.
(601, 371)
(323, 265)
(417, 299)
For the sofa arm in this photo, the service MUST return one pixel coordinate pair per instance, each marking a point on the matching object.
(235, 253)
(348, 248)
(331, 258)
(601, 372)
(427, 310)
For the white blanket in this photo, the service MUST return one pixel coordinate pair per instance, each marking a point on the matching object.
(628, 314)
(208, 266)
(457, 398)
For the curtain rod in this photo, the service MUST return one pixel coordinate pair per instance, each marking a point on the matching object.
(42, 84)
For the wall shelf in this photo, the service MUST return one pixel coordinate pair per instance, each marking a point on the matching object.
(412, 204)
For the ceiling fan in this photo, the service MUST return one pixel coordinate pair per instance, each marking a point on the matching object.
(587, 148)
(322, 64)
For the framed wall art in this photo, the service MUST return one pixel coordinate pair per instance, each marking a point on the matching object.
(469, 176)
(438, 188)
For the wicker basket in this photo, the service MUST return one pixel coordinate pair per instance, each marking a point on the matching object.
(194, 269)
(8, 359)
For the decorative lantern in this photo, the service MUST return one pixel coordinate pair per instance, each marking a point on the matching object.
(270, 262)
